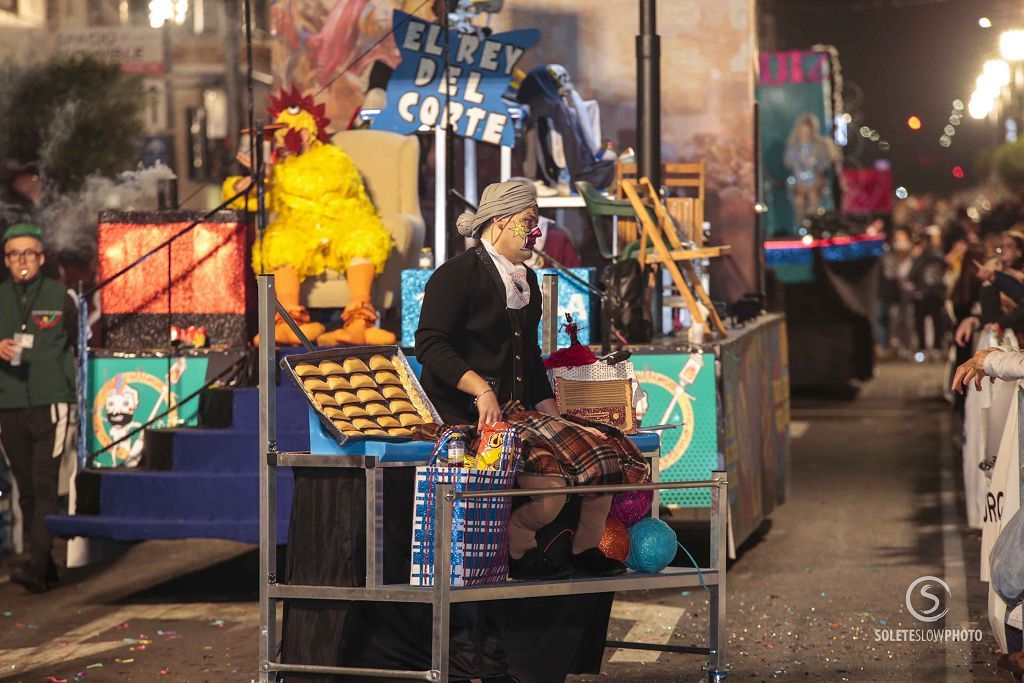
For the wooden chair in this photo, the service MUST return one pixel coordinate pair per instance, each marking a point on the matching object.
(658, 227)
(688, 210)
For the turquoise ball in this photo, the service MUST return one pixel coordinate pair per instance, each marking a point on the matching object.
(652, 545)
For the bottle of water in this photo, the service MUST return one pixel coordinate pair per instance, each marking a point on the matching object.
(457, 450)
(426, 258)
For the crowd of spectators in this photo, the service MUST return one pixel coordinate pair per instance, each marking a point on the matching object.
(948, 274)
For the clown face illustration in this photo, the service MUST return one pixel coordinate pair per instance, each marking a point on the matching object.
(119, 410)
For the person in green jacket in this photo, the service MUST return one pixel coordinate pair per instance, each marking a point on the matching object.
(38, 330)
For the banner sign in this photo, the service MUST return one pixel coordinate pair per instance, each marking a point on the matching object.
(796, 124)
(755, 423)
(139, 50)
(480, 68)
(125, 393)
(680, 390)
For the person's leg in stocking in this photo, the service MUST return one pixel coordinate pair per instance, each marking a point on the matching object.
(587, 558)
(527, 560)
(359, 316)
(286, 287)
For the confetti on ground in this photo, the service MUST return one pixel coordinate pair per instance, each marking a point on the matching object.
(54, 679)
(130, 660)
(219, 623)
(686, 593)
(33, 626)
(129, 640)
(97, 665)
(8, 614)
(165, 672)
(123, 624)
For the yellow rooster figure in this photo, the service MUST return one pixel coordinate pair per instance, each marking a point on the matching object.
(321, 218)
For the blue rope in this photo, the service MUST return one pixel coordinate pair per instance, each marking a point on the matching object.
(700, 574)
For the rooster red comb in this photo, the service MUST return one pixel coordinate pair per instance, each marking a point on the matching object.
(289, 98)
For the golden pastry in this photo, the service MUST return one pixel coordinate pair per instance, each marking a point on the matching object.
(386, 377)
(343, 397)
(354, 410)
(305, 370)
(400, 406)
(355, 365)
(333, 412)
(315, 385)
(388, 421)
(362, 382)
(367, 395)
(344, 425)
(375, 432)
(337, 382)
(377, 409)
(364, 423)
(414, 398)
(391, 391)
(329, 367)
(399, 431)
(352, 432)
(410, 419)
(380, 362)
(325, 399)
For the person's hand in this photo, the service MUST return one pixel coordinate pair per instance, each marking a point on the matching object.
(971, 371)
(986, 272)
(8, 349)
(965, 330)
(489, 410)
(243, 184)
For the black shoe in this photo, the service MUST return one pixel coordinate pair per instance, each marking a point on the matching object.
(535, 566)
(34, 577)
(593, 562)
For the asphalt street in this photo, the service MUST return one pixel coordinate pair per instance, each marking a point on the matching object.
(874, 503)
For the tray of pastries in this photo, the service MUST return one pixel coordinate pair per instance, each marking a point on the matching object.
(362, 392)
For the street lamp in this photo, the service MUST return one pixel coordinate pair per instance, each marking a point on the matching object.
(1011, 45)
(980, 106)
(997, 72)
(162, 11)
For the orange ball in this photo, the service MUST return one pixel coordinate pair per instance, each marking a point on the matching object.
(615, 540)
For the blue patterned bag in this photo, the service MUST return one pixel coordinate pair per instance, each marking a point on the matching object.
(479, 525)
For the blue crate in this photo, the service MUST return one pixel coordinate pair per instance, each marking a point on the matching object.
(573, 298)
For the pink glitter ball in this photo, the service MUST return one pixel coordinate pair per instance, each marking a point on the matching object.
(632, 506)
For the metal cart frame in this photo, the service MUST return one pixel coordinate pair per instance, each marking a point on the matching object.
(442, 595)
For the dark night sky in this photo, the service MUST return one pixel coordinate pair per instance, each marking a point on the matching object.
(903, 57)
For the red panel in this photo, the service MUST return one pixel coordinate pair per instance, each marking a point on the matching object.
(208, 267)
(868, 191)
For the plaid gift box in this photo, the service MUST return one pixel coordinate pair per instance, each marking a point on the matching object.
(479, 525)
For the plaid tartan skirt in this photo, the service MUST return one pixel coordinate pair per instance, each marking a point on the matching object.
(581, 451)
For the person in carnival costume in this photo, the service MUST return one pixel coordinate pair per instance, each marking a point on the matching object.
(322, 218)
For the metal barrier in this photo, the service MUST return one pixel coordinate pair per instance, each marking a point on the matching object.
(442, 595)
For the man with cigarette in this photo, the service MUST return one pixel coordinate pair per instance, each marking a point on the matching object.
(38, 329)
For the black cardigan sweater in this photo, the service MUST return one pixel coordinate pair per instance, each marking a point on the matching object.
(465, 324)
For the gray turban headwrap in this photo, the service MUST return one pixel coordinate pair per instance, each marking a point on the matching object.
(498, 199)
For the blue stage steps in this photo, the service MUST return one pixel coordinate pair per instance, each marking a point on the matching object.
(208, 487)
(202, 482)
